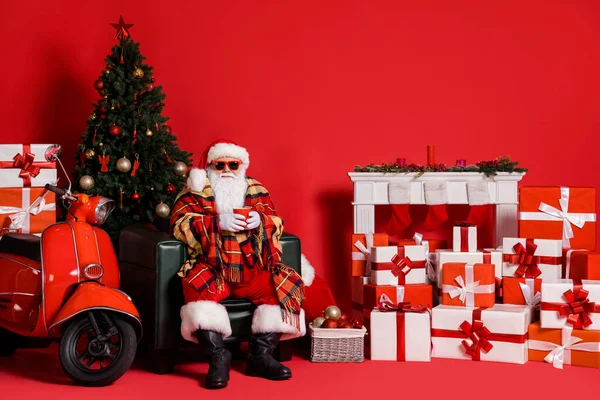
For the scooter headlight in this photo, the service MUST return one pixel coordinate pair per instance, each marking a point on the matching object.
(103, 209)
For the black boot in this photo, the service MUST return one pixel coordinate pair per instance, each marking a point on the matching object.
(260, 360)
(220, 358)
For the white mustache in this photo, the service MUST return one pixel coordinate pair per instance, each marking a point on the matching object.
(227, 174)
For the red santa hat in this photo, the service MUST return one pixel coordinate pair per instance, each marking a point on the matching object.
(217, 149)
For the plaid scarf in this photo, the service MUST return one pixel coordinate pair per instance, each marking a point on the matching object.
(222, 256)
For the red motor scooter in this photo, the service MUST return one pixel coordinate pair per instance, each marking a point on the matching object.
(65, 286)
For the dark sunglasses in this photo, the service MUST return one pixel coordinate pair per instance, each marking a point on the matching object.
(233, 165)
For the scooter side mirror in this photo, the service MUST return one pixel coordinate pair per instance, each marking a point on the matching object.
(53, 152)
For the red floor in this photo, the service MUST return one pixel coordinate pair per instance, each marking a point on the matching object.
(36, 374)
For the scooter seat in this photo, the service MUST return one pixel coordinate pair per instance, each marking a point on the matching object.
(21, 244)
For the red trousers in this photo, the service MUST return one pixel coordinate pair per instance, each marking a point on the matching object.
(256, 287)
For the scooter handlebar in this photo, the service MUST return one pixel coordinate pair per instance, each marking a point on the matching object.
(60, 192)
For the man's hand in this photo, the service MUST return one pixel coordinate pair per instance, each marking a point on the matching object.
(253, 220)
(232, 222)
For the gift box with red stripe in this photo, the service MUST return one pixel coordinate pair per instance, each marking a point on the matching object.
(464, 237)
(532, 258)
(400, 332)
(571, 303)
(406, 267)
(491, 334)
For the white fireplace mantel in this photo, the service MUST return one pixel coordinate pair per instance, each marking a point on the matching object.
(371, 189)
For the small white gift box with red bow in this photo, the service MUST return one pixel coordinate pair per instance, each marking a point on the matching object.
(400, 332)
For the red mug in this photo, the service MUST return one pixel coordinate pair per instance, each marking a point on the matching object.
(243, 211)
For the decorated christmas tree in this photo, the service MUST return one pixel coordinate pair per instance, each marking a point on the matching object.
(128, 152)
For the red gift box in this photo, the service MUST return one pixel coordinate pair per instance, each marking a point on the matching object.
(567, 214)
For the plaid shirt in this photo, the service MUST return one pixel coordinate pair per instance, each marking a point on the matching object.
(217, 256)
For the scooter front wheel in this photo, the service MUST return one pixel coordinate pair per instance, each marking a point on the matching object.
(97, 348)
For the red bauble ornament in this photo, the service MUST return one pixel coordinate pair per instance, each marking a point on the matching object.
(99, 84)
(356, 324)
(330, 323)
(345, 325)
(114, 130)
(171, 189)
(136, 196)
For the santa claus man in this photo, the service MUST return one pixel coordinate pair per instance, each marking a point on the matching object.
(231, 256)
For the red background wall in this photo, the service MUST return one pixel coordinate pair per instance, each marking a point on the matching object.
(312, 88)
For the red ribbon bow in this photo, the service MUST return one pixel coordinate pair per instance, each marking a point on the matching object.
(104, 162)
(477, 339)
(463, 223)
(528, 267)
(577, 308)
(28, 169)
(402, 265)
(385, 305)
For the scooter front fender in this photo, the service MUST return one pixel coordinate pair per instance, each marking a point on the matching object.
(94, 296)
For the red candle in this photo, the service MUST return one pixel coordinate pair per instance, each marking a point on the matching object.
(430, 154)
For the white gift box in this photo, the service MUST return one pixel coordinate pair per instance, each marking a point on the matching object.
(416, 254)
(501, 320)
(471, 257)
(386, 339)
(9, 175)
(547, 251)
(382, 254)
(553, 297)
(470, 239)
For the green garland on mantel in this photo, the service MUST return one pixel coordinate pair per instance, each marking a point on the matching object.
(489, 168)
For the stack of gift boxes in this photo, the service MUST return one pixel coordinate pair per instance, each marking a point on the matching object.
(25, 206)
(535, 298)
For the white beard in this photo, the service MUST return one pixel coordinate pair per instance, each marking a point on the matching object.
(230, 193)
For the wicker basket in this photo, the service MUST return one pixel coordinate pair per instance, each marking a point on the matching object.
(337, 345)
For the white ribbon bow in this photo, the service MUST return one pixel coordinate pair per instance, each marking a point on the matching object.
(462, 289)
(365, 251)
(530, 300)
(561, 354)
(429, 257)
(20, 215)
(467, 290)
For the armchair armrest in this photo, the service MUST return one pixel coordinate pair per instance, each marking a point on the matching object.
(149, 261)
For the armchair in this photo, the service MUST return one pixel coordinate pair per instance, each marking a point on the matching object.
(149, 260)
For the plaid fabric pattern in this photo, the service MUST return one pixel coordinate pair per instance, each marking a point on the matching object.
(217, 256)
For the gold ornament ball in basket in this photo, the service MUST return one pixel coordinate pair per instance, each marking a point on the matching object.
(337, 344)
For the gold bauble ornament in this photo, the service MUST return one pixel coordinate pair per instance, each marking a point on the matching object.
(107, 72)
(148, 133)
(100, 144)
(332, 312)
(123, 165)
(93, 116)
(162, 210)
(112, 108)
(317, 322)
(86, 182)
(138, 73)
(89, 153)
(180, 168)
